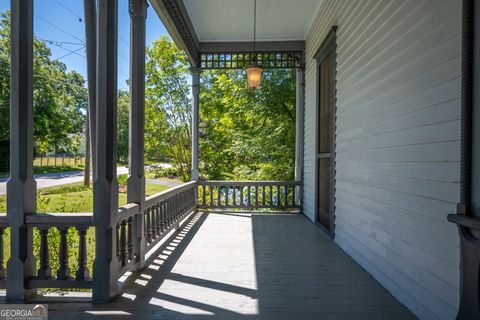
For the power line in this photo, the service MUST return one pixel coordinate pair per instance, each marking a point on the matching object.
(68, 50)
(54, 80)
(61, 42)
(70, 53)
(59, 28)
(60, 81)
(123, 40)
(80, 19)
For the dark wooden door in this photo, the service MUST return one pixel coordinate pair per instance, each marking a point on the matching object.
(324, 141)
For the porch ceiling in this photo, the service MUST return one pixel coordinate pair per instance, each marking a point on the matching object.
(232, 20)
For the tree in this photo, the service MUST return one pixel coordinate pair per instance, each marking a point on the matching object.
(168, 106)
(244, 134)
(60, 98)
(122, 126)
(247, 134)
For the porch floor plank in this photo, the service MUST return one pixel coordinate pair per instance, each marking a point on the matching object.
(247, 266)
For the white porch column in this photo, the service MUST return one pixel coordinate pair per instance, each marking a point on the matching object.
(299, 128)
(136, 178)
(105, 186)
(195, 119)
(21, 187)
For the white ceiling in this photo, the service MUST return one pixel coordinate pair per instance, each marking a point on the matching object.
(232, 20)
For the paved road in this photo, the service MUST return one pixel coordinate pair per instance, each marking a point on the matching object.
(56, 179)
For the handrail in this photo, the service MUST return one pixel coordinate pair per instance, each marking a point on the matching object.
(465, 221)
(127, 211)
(60, 219)
(157, 197)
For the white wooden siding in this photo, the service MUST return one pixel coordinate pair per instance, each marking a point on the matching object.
(397, 143)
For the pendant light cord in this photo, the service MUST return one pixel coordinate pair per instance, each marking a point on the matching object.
(254, 28)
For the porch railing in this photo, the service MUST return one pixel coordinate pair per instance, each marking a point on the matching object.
(249, 195)
(59, 233)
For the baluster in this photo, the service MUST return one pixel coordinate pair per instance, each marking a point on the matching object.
(44, 272)
(163, 217)
(240, 190)
(157, 220)
(117, 240)
(212, 191)
(293, 195)
(123, 243)
(227, 196)
(169, 211)
(256, 196)
(271, 196)
(278, 195)
(145, 213)
(174, 210)
(263, 196)
(2, 255)
(219, 196)
(63, 272)
(154, 221)
(82, 271)
(184, 202)
(130, 239)
(178, 206)
(204, 202)
(149, 225)
(248, 196)
(234, 196)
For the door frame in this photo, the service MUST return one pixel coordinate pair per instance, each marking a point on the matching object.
(328, 46)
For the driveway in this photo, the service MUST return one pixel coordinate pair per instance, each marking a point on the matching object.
(56, 179)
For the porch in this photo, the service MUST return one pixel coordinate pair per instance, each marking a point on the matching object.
(227, 265)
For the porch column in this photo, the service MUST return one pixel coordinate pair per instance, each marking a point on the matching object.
(90, 13)
(21, 187)
(136, 178)
(195, 119)
(299, 126)
(105, 186)
(467, 217)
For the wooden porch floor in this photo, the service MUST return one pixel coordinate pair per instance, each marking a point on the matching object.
(247, 266)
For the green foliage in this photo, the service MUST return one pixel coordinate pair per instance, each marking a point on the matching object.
(159, 172)
(168, 106)
(60, 98)
(245, 134)
(122, 126)
(122, 179)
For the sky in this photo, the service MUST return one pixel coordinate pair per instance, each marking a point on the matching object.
(60, 24)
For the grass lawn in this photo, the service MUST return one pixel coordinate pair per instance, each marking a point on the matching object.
(69, 198)
(73, 198)
(52, 169)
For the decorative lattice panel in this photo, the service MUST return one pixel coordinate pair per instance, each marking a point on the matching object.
(277, 60)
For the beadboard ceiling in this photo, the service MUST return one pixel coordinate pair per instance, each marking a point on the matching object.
(232, 20)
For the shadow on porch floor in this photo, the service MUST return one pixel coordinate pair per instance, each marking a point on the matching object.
(247, 266)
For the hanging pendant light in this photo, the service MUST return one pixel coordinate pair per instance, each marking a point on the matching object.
(254, 70)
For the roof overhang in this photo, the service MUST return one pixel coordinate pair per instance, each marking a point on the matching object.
(178, 21)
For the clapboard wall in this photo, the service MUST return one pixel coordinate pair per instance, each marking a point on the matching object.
(397, 143)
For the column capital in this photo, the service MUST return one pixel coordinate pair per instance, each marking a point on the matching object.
(300, 67)
(137, 8)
